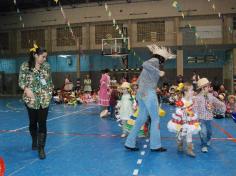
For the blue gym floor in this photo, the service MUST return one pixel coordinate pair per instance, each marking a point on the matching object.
(79, 143)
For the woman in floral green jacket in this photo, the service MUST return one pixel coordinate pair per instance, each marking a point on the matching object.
(35, 79)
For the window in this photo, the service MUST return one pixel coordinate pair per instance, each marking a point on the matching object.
(30, 36)
(151, 31)
(64, 36)
(102, 31)
(201, 59)
(4, 41)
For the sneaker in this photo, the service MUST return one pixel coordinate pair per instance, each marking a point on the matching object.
(132, 149)
(161, 149)
(208, 143)
(123, 135)
(204, 149)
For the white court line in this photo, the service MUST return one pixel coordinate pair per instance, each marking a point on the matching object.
(37, 159)
(139, 161)
(135, 172)
(142, 153)
(57, 117)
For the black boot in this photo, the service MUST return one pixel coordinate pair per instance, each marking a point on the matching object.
(34, 140)
(41, 145)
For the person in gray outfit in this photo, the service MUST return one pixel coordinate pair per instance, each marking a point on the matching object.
(147, 99)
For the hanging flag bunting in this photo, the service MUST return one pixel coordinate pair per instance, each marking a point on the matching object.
(109, 13)
(214, 7)
(114, 22)
(18, 12)
(68, 23)
(190, 26)
(177, 5)
(230, 29)
(71, 31)
(63, 13)
(174, 4)
(106, 7)
(118, 29)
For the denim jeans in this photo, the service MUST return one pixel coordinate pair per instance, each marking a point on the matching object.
(112, 111)
(147, 106)
(206, 132)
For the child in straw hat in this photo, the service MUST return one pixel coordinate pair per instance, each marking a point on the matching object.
(125, 106)
(204, 105)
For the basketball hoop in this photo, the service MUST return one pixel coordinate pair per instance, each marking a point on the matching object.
(115, 56)
(115, 47)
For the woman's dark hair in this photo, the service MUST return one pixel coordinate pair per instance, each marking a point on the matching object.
(31, 61)
(106, 70)
(160, 58)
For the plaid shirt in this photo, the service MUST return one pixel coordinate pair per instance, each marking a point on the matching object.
(200, 106)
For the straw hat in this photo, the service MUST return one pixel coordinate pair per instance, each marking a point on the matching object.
(202, 83)
(172, 89)
(222, 96)
(125, 85)
(162, 51)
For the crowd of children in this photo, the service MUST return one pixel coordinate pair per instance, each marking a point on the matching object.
(74, 97)
(196, 105)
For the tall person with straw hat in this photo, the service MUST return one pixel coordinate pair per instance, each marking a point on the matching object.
(147, 99)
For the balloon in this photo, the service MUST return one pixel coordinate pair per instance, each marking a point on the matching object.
(162, 113)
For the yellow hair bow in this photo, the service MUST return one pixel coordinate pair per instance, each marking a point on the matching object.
(34, 48)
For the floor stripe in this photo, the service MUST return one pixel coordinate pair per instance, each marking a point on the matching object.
(107, 135)
(230, 137)
(35, 160)
(58, 117)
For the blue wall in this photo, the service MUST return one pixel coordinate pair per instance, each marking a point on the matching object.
(63, 63)
(57, 63)
(97, 62)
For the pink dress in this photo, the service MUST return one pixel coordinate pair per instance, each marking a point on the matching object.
(104, 92)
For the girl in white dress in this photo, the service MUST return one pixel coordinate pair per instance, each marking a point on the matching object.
(125, 106)
(184, 122)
